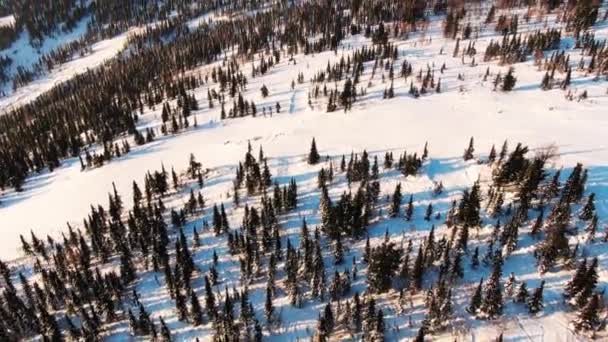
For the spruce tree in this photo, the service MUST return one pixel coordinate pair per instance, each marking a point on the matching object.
(589, 209)
(592, 228)
(418, 270)
(313, 155)
(509, 80)
(589, 285)
(409, 211)
(578, 280)
(492, 303)
(383, 264)
(429, 212)
(475, 258)
(468, 153)
(475, 303)
(420, 335)
(165, 333)
(522, 293)
(510, 285)
(535, 302)
(268, 306)
(196, 312)
(180, 305)
(588, 317)
(396, 201)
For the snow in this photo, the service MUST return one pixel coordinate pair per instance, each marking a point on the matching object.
(464, 109)
(7, 21)
(27, 56)
(24, 55)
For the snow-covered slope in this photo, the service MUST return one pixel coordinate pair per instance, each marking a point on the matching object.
(466, 107)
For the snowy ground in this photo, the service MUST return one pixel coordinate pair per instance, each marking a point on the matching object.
(101, 52)
(447, 121)
(8, 20)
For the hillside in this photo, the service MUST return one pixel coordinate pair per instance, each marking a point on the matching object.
(410, 106)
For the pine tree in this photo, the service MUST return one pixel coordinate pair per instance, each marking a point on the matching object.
(165, 333)
(546, 82)
(196, 312)
(476, 299)
(538, 224)
(396, 201)
(492, 155)
(338, 251)
(522, 293)
(589, 209)
(268, 306)
(510, 285)
(209, 299)
(180, 304)
(133, 323)
(588, 317)
(468, 153)
(409, 211)
(492, 303)
(591, 228)
(383, 264)
(380, 326)
(578, 280)
(509, 81)
(475, 258)
(264, 91)
(313, 155)
(50, 328)
(420, 335)
(429, 212)
(535, 302)
(588, 287)
(418, 270)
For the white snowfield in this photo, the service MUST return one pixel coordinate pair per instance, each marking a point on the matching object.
(465, 108)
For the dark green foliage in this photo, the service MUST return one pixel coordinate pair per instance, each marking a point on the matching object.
(383, 265)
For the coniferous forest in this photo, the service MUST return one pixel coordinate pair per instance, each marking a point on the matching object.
(303, 170)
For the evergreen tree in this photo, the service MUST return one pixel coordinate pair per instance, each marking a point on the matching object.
(209, 299)
(588, 317)
(522, 293)
(589, 209)
(510, 285)
(535, 302)
(180, 304)
(313, 155)
(476, 300)
(588, 287)
(509, 80)
(409, 211)
(383, 264)
(268, 306)
(429, 212)
(165, 333)
(468, 153)
(418, 270)
(591, 228)
(492, 303)
(396, 201)
(475, 258)
(420, 335)
(578, 280)
(196, 312)
(492, 155)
